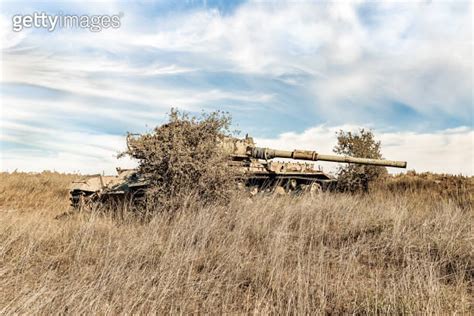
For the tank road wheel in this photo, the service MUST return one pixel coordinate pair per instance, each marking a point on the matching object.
(315, 188)
(312, 189)
(279, 190)
(292, 185)
(253, 190)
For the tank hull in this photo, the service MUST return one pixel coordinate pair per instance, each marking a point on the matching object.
(255, 177)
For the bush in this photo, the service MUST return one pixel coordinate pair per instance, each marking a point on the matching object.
(182, 159)
(353, 177)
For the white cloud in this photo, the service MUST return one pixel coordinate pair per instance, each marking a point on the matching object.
(85, 77)
(419, 54)
(8, 38)
(62, 151)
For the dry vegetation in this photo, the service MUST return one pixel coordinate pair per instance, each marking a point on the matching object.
(391, 251)
(353, 177)
(183, 156)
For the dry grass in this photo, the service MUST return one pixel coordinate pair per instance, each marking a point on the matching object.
(387, 252)
(31, 191)
(459, 189)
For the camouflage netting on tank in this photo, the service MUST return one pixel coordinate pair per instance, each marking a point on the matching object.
(182, 159)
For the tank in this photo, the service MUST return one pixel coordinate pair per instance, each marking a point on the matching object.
(259, 167)
(98, 187)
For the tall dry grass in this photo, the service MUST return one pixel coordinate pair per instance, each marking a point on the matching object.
(35, 191)
(387, 252)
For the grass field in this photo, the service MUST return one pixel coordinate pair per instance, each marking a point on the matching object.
(394, 250)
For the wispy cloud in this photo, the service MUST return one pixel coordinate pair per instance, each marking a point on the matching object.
(35, 149)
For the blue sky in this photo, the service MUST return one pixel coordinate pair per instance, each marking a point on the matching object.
(290, 73)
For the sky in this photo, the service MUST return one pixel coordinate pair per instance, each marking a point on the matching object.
(291, 74)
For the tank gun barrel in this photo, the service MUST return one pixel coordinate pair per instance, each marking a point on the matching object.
(268, 153)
